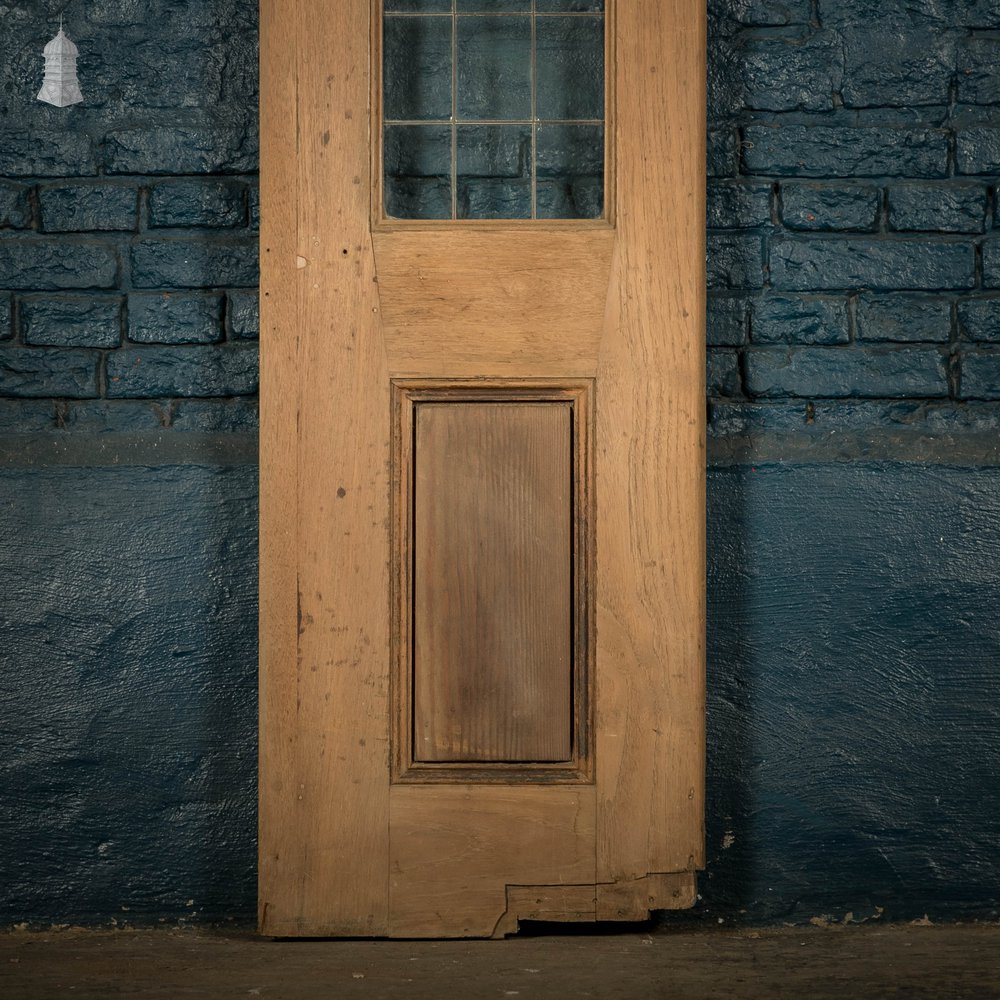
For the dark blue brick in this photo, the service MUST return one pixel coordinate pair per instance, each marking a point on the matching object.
(846, 372)
(738, 205)
(40, 152)
(830, 207)
(189, 149)
(991, 263)
(15, 208)
(216, 416)
(152, 372)
(253, 198)
(978, 80)
(174, 318)
(195, 263)
(877, 264)
(902, 318)
(723, 373)
(27, 416)
(799, 319)
(841, 151)
(71, 321)
(34, 372)
(977, 150)
(50, 264)
(769, 12)
(980, 374)
(70, 208)
(790, 74)
(243, 315)
(6, 317)
(119, 416)
(890, 62)
(979, 319)
(735, 262)
(722, 150)
(197, 203)
(937, 208)
(727, 320)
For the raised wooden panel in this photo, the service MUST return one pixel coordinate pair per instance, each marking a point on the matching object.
(493, 582)
(486, 301)
(455, 849)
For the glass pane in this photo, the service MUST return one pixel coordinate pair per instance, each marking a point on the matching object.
(570, 171)
(494, 172)
(570, 67)
(418, 171)
(493, 109)
(494, 68)
(417, 68)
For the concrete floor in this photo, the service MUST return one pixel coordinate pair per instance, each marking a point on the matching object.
(872, 962)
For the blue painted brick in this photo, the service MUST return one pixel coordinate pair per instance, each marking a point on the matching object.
(735, 262)
(781, 73)
(35, 372)
(216, 416)
(978, 80)
(980, 374)
(32, 263)
(830, 207)
(174, 318)
(840, 372)
(723, 373)
(890, 61)
(195, 263)
(6, 317)
(243, 315)
(118, 416)
(188, 149)
(727, 320)
(880, 265)
(904, 318)
(15, 208)
(799, 319)
(842, 151)
(769, 12)
(68, 208)
(722, 150)
(979, 319)
(191, 202)
(253, 198)
(977, 150)
(152, 372)
(937, 208)
(738, 205)
(42, 152)
(27, 416)
(991, 263)
(71, 321)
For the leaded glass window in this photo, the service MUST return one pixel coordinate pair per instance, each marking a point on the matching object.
(493, 109)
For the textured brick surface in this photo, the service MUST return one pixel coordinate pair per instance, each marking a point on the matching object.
(735, 262)
(33, 263)
(39, 372)
(6, 317)
(830, 207)
(71, 321)
(182, 371)
(800, 319)
(15, 209)
(80, 207)
(981, 374)
(903, 318)
(846, 371)
(174, 318)
(937, 208)
(728, 318)
(243, 315)
(979, 319)
(738, 205)
(209, 203)
(192, 262)
(977, 150)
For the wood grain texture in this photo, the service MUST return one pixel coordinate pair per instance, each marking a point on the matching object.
(328, 868)
(635, 900)
(455, 849)
(493, 582)
(549, 903)
(475, 303)
(651, 455)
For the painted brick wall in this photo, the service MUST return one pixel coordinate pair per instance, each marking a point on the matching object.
(853, 159)
(128, 243)
(854, 486)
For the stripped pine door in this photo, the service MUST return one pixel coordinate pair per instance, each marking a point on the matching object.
(482, 484)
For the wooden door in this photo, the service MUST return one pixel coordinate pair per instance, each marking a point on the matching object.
(482, 507)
